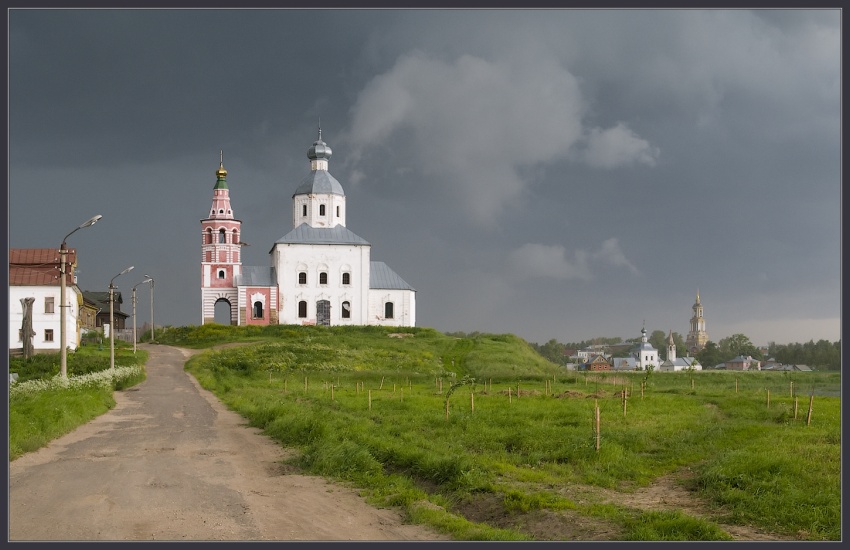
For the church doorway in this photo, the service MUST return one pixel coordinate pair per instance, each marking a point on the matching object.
(323, 312)
(223, 314)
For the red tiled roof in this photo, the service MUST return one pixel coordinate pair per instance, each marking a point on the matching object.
(39, 266)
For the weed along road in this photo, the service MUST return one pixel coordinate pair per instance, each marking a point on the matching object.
(170, 462)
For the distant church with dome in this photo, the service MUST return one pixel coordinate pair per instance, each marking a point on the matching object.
(644, 356)
(319, 273)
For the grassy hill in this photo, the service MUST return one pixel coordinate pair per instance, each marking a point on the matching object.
(412, 351)
(395, 413)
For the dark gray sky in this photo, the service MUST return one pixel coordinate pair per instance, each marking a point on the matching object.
(559, 174)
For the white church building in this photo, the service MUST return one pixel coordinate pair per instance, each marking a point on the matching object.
(319, 273)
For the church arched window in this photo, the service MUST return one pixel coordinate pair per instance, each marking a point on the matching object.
(388, 310)
(235, 238)
(221, 274)
(209, 236)
(302, 278)
(346, 310)
(346, 278)
(323, 278)
(321, 209)
(302, 309)
(258, 310)
(221, 237)
(303, 209)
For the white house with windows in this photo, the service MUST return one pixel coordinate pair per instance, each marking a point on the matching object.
(320, 272)
(34, 273)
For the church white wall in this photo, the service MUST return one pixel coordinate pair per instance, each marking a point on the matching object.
(291, 259)
(334, 210)
(42, 321)
(404, 307)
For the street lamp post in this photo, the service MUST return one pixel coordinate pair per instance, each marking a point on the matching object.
(112, 318)
(148, 280)
(152, 325)
(63, 251)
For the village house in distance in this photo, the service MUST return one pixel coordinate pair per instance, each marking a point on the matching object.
(319, 273)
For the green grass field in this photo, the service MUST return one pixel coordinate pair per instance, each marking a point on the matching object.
(368, 406)
(41, 410)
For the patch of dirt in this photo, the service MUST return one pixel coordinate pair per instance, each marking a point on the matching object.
(543, 525)
(521, 392)
(669, 493)
(570, 394)
(666, 493)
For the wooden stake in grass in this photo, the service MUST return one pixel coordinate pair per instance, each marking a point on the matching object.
(692, 383)
(768, 399)
(809, 414)
(370, 400)
(305, 384)
(441, 386)
(332, 392)
(382, 383)
(472, 401)
(624, 401)
(792, 389)
(509, 395)
(598, 425)
(795, 408)
(736, 385)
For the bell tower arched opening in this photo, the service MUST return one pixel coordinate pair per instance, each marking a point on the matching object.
(223, 312)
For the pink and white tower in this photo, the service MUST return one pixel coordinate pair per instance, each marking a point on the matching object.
(221, 262)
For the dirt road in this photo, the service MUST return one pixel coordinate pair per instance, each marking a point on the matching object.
(170, 462)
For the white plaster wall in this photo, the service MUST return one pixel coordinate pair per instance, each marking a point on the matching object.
(404, 308)
(313, 219)
(42, 321)
(288, 258)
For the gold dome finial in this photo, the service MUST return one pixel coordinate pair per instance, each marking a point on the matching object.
(221, 172)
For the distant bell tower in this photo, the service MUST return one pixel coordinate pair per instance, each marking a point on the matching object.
(697, 336)
(671, 347)
(221, 261)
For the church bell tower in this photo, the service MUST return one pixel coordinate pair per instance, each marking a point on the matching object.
(221, 261)
(697, 336)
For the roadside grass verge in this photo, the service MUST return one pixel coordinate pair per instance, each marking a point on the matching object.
(43, 407)
(384, 430)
